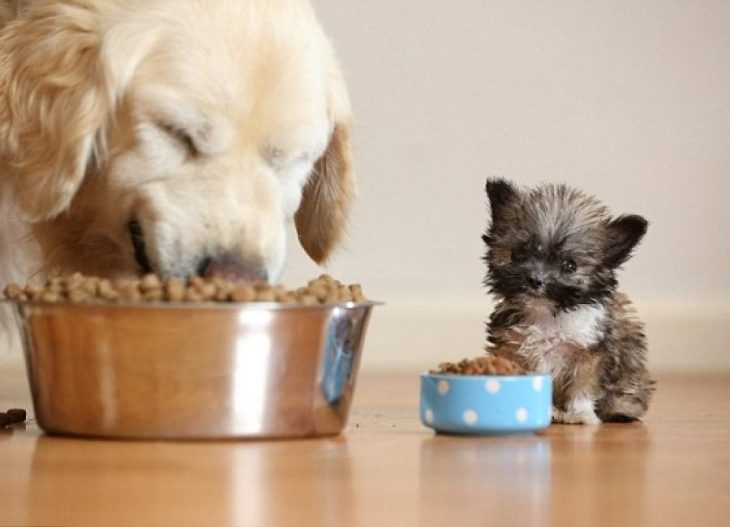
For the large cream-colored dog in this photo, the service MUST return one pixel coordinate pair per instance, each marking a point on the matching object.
(177, 136)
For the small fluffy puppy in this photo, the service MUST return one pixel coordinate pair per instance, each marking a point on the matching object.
(552, 255)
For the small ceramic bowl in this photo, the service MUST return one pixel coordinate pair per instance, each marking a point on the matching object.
(486, 404)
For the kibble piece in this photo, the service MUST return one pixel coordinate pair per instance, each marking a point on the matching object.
(11, 417)
(153, 295)
(175, 290)
(196, 281)
(243, 292)
(357, 294)
(129, 291)
(261, 286)
(74, 281)
(288, 298)
(208, 291)
(16, 415)
(51, 296)
(308, 300)
(332, 297)
(78, 296)
(265, 295)
(150, 282)
(224, 290)
(192, 294)
(35, 291)
(13, 291)
(344, 294)
(106, 291)
(279, 292)
(56, 283)
(91, 286)
(318, 289)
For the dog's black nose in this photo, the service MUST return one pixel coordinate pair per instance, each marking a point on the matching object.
(535, 281)
(231, 267)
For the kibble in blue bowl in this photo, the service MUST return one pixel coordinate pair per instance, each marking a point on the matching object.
(465, 398)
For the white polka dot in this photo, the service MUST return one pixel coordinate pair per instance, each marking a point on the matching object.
(493, 386)
(443, 387)
(537, 383)
(521, 415)
(428, 415)
(470, 417)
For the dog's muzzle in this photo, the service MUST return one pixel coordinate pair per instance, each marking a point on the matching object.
(229, 266)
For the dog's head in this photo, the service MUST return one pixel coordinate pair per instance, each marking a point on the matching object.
(555, 243)
(179, 137)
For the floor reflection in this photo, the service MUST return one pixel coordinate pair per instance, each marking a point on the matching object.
(292, 486)
(609, 489)
(98, 482)
(496, 476)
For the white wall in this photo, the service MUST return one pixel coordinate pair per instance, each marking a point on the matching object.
(627, 100)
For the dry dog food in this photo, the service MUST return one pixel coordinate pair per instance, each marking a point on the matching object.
(11, 417)
(78, 288)
(482, 366)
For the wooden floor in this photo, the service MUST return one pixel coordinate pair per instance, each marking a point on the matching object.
(386, 470)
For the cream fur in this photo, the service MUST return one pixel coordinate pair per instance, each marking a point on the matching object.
(101, 100)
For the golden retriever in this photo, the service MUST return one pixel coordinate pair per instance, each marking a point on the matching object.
(175, 136)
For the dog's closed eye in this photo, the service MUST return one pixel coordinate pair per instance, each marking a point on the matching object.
(181, 136)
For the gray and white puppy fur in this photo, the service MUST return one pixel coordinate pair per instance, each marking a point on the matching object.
(552, 256)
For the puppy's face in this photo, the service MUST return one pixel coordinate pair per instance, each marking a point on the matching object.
(184, 137)
(554, 244)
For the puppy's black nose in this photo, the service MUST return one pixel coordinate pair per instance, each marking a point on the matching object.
(535, 281)
(231, 267)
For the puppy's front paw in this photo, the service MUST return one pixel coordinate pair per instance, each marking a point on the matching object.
(578, 418)
(579, 413)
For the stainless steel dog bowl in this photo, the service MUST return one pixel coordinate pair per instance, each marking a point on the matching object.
(184, 371)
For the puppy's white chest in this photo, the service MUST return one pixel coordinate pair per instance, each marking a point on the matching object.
(582, 326)
(557, 341)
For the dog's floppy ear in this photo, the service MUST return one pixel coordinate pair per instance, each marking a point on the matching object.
(53, 103)
(328, 194)
(623, 234)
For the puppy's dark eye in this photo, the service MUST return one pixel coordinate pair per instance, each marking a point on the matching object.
(568, 266)
(181, 136)
(519, 256)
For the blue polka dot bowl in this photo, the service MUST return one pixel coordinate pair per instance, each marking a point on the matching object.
(486, 404)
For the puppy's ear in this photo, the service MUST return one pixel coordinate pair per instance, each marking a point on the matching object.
(328, 194)
(500, 193)
(623, 234)
(53, 103)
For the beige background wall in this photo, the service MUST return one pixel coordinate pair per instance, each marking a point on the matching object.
(627, 100)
